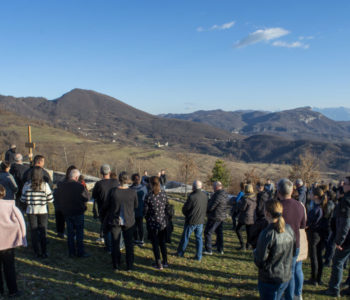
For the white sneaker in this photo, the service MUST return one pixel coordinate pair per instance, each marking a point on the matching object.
(100, 241)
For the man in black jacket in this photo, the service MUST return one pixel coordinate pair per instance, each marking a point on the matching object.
(39, 161)
(72, 198)
(10, 154)
(342, 241)
(99, 194)
(194, 210)
(216, 213)
(17, 170)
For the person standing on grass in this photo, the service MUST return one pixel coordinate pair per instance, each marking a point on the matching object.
(163, 179)
(99, 194)
(36, 195)
(155, 212)
(121, 205)
(7, 181)
(216, 212)
(246, 209)
(141, 191)
(73, 198)
(60, 221)
(13, 234)
(274, 253)
(317, 232)
(294, 216)
(194, 210)
(342, 241)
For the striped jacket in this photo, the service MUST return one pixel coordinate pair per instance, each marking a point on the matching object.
(36, 201)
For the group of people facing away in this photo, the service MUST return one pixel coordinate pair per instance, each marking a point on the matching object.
(275, 221)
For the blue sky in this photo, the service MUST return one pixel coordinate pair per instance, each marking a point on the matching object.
(180, 56)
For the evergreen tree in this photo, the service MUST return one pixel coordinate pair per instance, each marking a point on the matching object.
(220, 173)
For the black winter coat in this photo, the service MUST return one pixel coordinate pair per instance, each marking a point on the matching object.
(217, 206)
(195, 208)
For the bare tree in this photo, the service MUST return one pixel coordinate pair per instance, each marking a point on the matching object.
(188, 169)
(307, 168)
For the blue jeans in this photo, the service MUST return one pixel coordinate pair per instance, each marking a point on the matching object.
(339, 259)
(298, 278)
(270, 291)
(290, 290)
(75, 228)
(211, 227)
(188, 229)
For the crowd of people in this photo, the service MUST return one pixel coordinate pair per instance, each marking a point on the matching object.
(284, 222)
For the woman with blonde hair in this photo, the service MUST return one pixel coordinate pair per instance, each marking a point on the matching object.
(246, 212)
(274, 253)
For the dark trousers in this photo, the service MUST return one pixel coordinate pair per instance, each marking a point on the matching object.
(249, 229)
(138, 233)
(316, 245)
(75, 229)
(60, 222)
(38, 227)
(330, 248)
(211, 227)
(7, 265)
(159, 242)
(129, 246)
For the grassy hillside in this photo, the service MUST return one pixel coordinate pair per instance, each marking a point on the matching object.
(63, 148)
(232, 275)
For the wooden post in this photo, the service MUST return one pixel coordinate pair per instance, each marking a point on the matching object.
(30, 145)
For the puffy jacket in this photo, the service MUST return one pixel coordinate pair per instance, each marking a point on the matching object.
(217, 206)
(274, 254)
(246, 208)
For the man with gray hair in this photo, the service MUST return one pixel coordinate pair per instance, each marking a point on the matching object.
(99, 194)
(217, 213)
(294, 216)
(17, 170)
(10, 154)
(73, 198)
(194, 210)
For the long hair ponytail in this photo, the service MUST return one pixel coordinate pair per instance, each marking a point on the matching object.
(275, 209)
(319, 192)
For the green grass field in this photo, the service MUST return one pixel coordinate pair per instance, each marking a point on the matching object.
(232, 275)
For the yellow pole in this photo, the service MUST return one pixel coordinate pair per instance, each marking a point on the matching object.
(29, 141)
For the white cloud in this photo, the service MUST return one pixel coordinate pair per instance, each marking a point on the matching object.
(262, 35)
(290, 45)
(224, 26)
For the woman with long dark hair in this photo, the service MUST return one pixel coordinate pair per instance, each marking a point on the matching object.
(274, 253)
(37, 194)
(155, 212)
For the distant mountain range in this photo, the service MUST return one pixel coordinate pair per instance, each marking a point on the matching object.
(335, 113)
(299, 123)
(252, 136)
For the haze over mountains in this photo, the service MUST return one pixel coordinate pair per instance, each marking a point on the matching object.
(245, 135)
